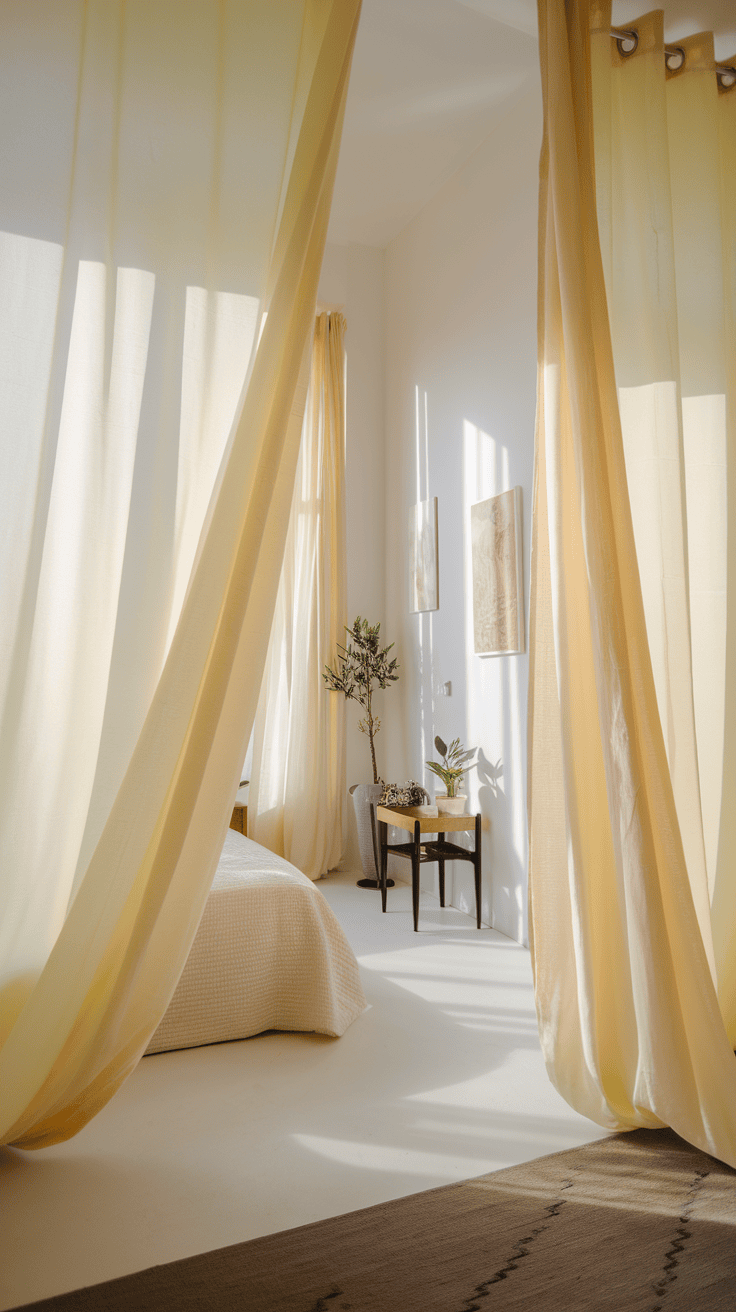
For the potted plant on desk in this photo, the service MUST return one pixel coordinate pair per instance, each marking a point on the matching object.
(451, 770)
(359, 667)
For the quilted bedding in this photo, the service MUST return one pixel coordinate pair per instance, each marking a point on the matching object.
(269, 954)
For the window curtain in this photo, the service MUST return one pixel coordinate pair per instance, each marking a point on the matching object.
(629, 640)
(668, 235)
(297, 790)
(167, 178)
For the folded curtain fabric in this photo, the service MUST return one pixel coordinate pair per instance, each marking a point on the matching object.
(627, 1006)
(188, 153)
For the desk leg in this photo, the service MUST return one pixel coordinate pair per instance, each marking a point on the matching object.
(382, 841)
(441, 864)
(476, 865)
(415, 875)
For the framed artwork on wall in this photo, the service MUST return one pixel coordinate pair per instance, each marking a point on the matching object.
(424, 591)
(498, 585)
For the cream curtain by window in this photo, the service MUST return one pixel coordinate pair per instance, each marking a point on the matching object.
(665, 230)
(723, 900)
(624, 737)
(297, 790)
(167, 178)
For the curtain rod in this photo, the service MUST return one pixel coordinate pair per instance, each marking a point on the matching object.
(627, 40)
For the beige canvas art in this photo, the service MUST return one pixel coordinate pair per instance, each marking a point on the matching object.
(498, 592)
(423, 572)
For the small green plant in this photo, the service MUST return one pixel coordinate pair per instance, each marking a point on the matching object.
(359, 666)
(452, 767)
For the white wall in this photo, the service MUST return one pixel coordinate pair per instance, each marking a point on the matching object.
(460, 404)
(352, 280)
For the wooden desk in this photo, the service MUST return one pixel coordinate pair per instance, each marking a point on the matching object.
(419, 852)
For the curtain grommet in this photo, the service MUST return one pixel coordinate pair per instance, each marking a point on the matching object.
(627, 40)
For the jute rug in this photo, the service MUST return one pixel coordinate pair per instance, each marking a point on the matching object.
(638, 1222)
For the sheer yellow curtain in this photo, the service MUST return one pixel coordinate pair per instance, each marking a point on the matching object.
(297, 790)
(180, 185)
(665, 238)
(628, 1012)
(723, 901)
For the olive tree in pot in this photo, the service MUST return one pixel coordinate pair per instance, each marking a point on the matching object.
(361, 666)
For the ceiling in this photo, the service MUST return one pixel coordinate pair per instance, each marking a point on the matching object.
(432, 78)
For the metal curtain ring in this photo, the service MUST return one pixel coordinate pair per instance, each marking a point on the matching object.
(627, 40)
(674, 58)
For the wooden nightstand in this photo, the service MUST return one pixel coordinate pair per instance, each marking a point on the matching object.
(418, 851)
(239, 820)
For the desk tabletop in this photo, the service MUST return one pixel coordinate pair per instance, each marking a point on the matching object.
(405, 817)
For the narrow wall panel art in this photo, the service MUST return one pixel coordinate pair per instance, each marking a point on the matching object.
(424, 590)
(498, 587)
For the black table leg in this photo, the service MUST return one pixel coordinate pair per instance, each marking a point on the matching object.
(382, 841)
(476, 868)
(415, 875)
(441, 863)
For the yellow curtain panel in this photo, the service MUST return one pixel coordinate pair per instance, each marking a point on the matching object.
(297, 790)
(167, 186)
(630, 586)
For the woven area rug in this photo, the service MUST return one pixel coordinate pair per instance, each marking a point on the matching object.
(638, 1222)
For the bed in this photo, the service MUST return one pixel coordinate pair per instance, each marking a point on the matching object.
(269, 954)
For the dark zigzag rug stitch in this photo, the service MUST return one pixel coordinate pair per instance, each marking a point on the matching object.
(638, 1222)
(522, 1249)
(682, 1234)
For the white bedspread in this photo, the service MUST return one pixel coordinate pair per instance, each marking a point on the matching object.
(269, 954)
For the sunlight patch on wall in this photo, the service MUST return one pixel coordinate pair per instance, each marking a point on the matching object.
(485, 465)
(423, 620)
(481, 478)
(494, 693)
(515, 773)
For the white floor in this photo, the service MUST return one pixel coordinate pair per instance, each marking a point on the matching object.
(440, 1079)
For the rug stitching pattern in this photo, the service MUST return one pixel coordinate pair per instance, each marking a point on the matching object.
(522, 1249)
(322, 1303)
(680, 1238)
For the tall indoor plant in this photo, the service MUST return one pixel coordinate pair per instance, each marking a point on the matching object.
(361, 667)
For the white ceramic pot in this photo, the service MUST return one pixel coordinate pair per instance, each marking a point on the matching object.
(451, 805)
(363, 795)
